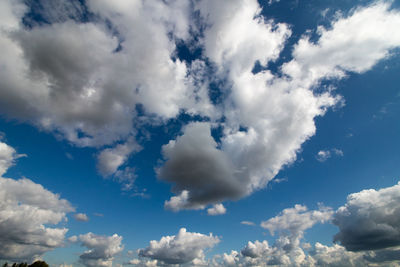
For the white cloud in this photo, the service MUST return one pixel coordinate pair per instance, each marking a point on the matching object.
(352, 44)
(323, 155)
(370, 220)
(268, 118)
(296, 220)
(216, 209)
(110, 160)
(8, 155)
(101, 249)
(182, 248)
(88, 92)
(82, 217)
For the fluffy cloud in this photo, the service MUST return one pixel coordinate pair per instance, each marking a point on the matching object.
(296, 220)
(82, 217)
(88, 91)
(350, 45)
(268, 117)
(26, 212)
(101, 249)
(8, 155)
(195, 164)
(110, 160)
(370, 220)
(126, 74)
(183, 248)
(217, 209)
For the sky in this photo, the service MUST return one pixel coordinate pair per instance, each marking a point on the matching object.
(200, 132)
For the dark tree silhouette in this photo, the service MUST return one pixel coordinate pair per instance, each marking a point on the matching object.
(39, 264)
(24, 264)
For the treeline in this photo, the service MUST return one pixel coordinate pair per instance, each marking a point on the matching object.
(24, 264)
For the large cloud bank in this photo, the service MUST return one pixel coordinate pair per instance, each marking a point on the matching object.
(126, 73)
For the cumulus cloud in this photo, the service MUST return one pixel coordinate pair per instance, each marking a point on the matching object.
(296, 220)
(101, 249)
(88, 91)
(126, 74)
(217, 209)
(367, 224)
(8, 155)
(269, 117)
(82, 217)
(110, 160)
(199, 170)
(370, 220)
(182, 248)
(27, 212)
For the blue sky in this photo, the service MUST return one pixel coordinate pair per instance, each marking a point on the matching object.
(124, 122)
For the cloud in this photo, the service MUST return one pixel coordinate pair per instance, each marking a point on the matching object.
(351, 44)
(247, 223)
(217, 209)
(183, 248)
(369, 220)
(323, 155)
(87, 92)
(362, 222)
(256, 249)
(194, 163)
(82, 217)
(126, 74)
(27, 212)
(296, 220)
(110, 160)
(8, 155)
(101, 249)
(268, 117)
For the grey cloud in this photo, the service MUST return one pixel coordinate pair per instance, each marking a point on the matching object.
(370, 220)
(182, 248)
(82, 217)
(195, 165)
(87, 91)
(27, 211)
(101, 249)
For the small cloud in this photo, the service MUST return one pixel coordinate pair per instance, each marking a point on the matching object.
(69, 156)
(217, 209)
(337, 152)
(323, 155)
(280, 180)
(324, 12)
(73, 239)
(82, 217)
(98, 214)
(247, 223)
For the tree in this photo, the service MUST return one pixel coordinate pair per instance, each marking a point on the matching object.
(38, 264)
